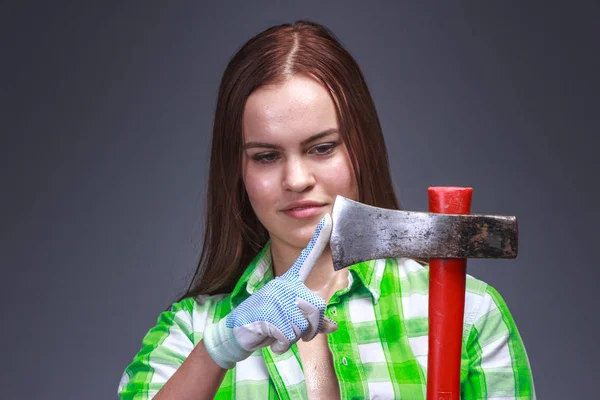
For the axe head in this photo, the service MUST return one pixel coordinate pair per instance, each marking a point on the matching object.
(361, 232)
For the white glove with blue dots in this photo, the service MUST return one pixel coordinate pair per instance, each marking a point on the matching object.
(279, 314)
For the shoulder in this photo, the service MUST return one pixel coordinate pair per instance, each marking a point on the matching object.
(195, 313)
(413, 277)
(410, 269)
(186, 320)
(167, 344)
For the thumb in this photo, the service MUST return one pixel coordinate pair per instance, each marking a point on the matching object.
(328, 326)
(279, 346)
(309, 256)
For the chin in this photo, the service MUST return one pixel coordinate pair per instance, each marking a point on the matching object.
(300, 239)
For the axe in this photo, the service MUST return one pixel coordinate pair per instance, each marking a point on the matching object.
(446, 236)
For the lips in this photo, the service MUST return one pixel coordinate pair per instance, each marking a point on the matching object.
(303, 209)
(299, 205)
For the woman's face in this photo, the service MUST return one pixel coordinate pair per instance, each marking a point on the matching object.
(294, 162)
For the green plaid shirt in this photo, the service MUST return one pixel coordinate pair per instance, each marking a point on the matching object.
(379, 350)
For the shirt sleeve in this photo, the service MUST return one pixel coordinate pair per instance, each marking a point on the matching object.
(164, 348)
(498, 364)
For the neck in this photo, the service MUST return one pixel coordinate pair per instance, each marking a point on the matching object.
(323, 279)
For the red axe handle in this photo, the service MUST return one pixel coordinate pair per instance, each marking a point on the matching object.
(447, 279)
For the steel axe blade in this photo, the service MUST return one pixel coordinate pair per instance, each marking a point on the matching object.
(361, 232)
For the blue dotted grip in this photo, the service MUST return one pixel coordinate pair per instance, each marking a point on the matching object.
(275, 303)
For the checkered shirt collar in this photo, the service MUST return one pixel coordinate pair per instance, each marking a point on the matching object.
(260, 271)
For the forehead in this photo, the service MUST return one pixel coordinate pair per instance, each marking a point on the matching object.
(294, 109)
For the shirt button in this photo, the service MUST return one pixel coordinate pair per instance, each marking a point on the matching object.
(344, 361)
(333, 310)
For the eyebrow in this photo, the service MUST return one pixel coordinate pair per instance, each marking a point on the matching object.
(317, 136)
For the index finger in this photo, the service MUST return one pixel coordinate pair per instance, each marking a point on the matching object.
(313, 251)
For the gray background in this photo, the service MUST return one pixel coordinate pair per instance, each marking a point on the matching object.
(106, 115)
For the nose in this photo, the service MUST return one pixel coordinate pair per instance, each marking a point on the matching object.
(298, 176)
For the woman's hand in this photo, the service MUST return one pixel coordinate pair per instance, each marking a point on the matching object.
(279, 314)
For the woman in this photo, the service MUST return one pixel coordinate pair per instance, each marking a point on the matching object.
(294, 127)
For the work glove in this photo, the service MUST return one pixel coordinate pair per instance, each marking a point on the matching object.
(277, 315)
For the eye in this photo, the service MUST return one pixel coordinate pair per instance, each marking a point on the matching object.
(265, 158)
(323, 149)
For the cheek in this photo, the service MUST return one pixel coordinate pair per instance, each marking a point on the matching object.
(340, 177)
(261, 187)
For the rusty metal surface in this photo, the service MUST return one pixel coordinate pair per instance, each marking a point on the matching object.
(361, 232)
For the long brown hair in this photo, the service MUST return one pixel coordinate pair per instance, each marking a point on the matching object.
(233, 234)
